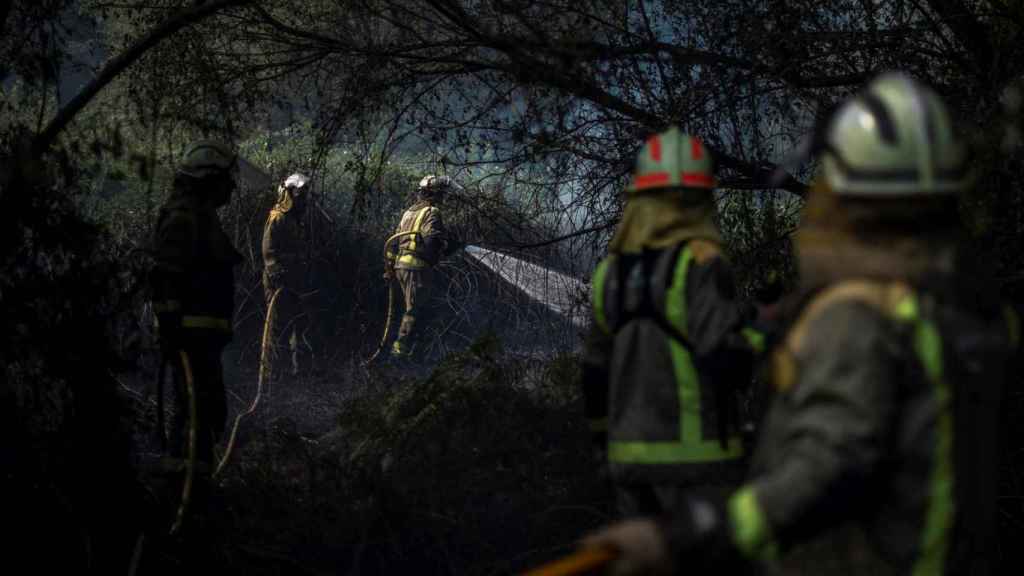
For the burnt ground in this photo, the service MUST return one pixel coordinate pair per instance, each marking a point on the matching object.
(478, 463)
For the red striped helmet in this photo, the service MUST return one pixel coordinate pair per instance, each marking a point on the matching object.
(672, 159)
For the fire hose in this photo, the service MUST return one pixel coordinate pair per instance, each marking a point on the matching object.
(190, 462)
(264, 368)
(584, 561)
(389, 275)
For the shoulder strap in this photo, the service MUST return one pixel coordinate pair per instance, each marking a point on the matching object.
(417, 223)
(888, 298)
(597, 293)
(658, 294)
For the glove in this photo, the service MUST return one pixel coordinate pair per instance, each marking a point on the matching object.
(699, 535)
(453, 245)
(170, 331)
(640, 545)
(696, 534)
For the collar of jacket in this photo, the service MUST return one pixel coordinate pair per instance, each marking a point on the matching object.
(421, 204)
(839, 241)
(657, 220)
(284, 201)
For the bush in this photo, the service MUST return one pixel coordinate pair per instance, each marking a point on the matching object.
(484, 467)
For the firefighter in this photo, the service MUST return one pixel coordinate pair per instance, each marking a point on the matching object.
(193, 290)
(422, 240)
(888, 378)
(284, 267)
(663, 364)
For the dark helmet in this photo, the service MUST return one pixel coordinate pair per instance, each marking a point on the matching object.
(208, 158)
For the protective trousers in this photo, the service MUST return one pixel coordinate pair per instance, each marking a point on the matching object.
(203, 352)
(416, 286)
(289, 328)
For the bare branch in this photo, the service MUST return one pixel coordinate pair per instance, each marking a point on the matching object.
(118, 65)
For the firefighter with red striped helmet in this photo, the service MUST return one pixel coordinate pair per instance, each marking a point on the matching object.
(881, 443)
(667, 347)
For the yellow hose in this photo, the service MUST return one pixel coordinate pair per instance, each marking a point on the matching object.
(190, 463)
(264, 348)
(389, 264)
(584, 561)
(387, 322)
(389, 257)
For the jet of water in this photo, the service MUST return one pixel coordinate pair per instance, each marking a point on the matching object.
(560, 293)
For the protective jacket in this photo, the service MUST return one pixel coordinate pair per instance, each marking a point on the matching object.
(283, 247)
(284, 267)
(193, 269)
(885, 423)
(663, 362)
(193, 284)
(428, 241)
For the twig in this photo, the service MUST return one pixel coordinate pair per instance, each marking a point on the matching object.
(123, 61)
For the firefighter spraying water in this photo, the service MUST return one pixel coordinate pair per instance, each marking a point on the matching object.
(422, 240)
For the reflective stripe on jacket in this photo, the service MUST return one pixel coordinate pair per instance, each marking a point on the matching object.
(656, 363)
(193, 273)
(283, 246)
(885, 416)
(423, 247)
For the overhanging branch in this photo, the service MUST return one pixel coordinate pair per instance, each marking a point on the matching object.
(118, 65)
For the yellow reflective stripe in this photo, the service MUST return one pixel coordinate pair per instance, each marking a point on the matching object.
(597, 294)
(416, 227)
(598, 424)
(674, 452)
(938, 524)
(166, 306)
(751, 533)
(675, 306)
(206, 322)
(412, 261)
(1012, 326)
(939, 518)
(754, 338)
(691, 446)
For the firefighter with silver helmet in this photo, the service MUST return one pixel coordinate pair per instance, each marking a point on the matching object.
(881, 442)
(419, 243)
(668, 351)
(192, 286)
(285, 245)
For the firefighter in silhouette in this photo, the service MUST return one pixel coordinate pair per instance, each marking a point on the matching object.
(421, 240)
(888, 380)
(285, 245)
(669, 350)
(193, 290)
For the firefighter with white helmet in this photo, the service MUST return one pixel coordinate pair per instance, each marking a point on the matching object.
(285, 246)
(420, 241)
(888, 380)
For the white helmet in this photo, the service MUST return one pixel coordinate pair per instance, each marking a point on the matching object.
(296, 181)
(894, 139)
(431, 183)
